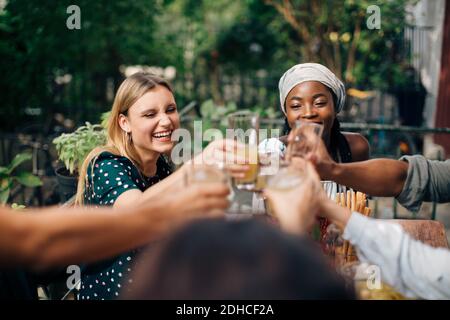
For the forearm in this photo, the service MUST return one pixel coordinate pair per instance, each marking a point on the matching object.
(336, 214)
(50, 238)
(377, 177)
(135, 197)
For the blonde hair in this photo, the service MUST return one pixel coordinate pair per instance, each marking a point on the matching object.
(118, 141)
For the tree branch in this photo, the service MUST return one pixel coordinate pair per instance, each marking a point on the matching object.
(286, 10)
(352, 51)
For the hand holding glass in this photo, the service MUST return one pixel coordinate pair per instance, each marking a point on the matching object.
(304, 138)
(204, 173)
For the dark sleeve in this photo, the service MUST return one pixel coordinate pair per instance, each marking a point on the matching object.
(427, 180)
(112, 176)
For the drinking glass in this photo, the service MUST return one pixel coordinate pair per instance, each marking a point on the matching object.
(285, 180)
(269, 164)
(245, 126)
(306, 137)
(204, 173)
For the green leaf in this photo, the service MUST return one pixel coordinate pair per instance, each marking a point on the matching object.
(28, 179)
(4, 195)
(4, 173)
(73, 148)
(105, 118)
(18, 159)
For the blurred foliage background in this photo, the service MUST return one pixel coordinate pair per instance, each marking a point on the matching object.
(218, 50)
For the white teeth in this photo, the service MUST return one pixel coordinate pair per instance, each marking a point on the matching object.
(162, 134)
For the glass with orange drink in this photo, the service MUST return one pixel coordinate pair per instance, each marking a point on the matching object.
(245, 127)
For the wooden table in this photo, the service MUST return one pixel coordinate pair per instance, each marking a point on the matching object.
(430, 232)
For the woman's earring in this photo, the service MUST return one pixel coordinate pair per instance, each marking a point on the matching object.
(126, 138)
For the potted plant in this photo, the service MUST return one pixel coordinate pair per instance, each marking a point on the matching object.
(10, 176)
(72, 149)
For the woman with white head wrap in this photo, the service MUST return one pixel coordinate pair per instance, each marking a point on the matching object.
(311, 92)
(311, 72)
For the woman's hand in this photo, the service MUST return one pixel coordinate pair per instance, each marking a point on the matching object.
(319, 157)
(199, 200)
(180, 204)
(228, 154)
(297, 208)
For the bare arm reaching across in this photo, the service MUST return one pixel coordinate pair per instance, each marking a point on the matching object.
(59, 236)
(412, 179)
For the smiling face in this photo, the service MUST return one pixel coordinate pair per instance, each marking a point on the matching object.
(151, 121)
(311, 101)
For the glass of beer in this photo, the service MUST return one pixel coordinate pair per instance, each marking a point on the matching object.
(204, 173)
(285, 180)
(306, 138)
(269, 164)
(245, 127)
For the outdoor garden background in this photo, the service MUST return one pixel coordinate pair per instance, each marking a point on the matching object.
(220, 56)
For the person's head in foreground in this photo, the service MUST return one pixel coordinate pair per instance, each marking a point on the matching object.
(215, 259)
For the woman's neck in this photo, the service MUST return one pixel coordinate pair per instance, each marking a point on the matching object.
(148, 161)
